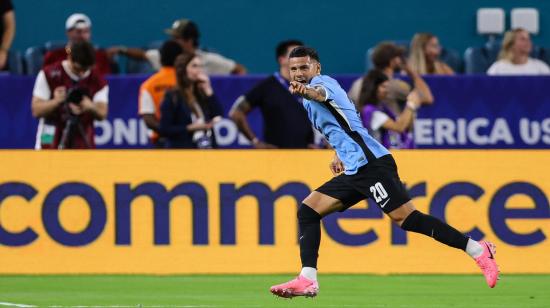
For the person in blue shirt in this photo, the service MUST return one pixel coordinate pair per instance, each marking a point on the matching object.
(362, 168)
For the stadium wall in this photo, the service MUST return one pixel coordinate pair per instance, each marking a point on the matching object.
(248, 30)
(234, 211)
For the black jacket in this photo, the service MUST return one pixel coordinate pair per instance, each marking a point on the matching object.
(176, 115)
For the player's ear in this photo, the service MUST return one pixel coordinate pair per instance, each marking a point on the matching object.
(318, 68)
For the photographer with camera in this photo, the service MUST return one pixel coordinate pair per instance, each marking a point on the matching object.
(67, 97)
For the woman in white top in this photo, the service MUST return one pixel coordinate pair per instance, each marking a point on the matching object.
(514, 59)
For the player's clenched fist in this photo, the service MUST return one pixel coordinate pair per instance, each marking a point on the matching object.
(336, 166)
(297, 88)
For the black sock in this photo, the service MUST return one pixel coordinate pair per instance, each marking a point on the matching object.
(433, 227)
(309, 223)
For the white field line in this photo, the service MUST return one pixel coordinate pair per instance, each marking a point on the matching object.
(134, 306)
(15, 305)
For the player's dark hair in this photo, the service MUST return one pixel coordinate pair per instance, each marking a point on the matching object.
(369, 89)
(82, 53)
(283, 46)
(169, 51)
(304, 51)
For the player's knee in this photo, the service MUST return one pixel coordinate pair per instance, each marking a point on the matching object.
(402, 213)
(307, 214)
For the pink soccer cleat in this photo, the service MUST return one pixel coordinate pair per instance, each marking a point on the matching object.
(487, 263)
(300, 286)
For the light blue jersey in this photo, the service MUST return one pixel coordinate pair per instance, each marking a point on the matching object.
(338, 120)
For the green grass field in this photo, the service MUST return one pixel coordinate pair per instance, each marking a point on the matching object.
(252, 291)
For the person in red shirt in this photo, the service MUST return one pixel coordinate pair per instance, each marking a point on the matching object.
(78, 28)
(67, 97)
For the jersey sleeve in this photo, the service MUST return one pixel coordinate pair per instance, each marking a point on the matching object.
(327, 85)
(41, 88)
(378, 119)
(102, 96)
(153, 56)
(146, 103)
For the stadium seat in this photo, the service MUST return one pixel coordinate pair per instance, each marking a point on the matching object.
(52, 45)
(15, 62)
(477, 60)
(452, 58)
(138, 66)
(489, 22)
(541, 54)
(34, 57)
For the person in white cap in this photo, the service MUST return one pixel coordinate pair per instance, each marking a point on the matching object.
(78, 28)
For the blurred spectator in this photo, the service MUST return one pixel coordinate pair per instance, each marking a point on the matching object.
(286, 124)
(67, 97)
(391, 129)
(7, 31)
(152, 90)
(514, 56)
(189, 112)
(389, 58)
(186, 33)
(78, 28)
(424, 55)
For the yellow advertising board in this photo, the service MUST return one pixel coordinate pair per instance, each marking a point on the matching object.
(234, 211)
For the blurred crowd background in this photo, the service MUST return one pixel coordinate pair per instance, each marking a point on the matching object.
(185, 63)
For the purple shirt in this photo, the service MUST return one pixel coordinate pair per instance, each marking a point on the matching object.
(389, 139)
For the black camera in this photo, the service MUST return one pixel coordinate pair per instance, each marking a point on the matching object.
(75, 95)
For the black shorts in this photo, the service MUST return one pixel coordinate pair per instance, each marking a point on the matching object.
(377, 180)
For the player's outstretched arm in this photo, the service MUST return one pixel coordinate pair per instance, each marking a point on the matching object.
(315, 93)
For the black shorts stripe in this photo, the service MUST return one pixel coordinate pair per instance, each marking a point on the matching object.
(353, 134)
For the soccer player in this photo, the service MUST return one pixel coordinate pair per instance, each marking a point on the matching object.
(363, 168)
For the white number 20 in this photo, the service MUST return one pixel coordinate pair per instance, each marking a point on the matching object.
(378, 192)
